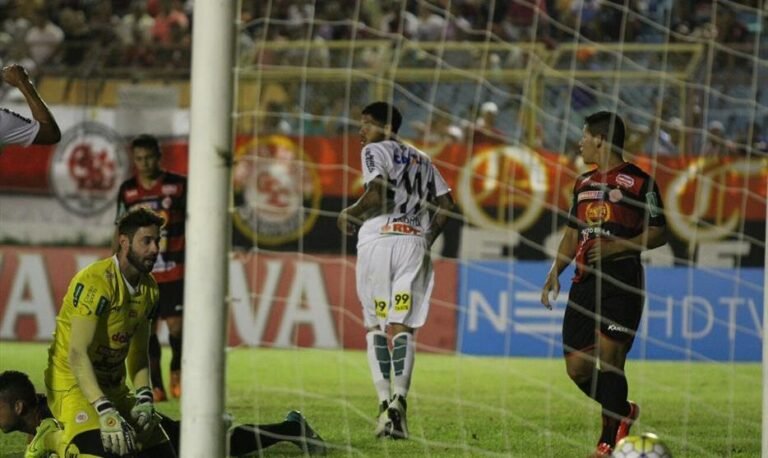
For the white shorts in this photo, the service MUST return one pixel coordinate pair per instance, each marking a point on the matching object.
(394, 281)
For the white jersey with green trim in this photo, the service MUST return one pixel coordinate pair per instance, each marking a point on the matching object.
(412, 182)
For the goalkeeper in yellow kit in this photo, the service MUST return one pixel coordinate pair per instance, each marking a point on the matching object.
(102, 334)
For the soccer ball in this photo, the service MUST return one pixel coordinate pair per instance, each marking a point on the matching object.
(646, 446)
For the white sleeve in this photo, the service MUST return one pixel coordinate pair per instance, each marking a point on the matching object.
(15, 129)
(441, 187)
(374, 162)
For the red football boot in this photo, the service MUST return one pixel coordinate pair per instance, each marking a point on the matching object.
(626, 422)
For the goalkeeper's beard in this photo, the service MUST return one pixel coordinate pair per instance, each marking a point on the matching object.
(144, 265)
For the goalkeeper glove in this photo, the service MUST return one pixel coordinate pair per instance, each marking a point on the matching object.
(117, 435)
(143, 413)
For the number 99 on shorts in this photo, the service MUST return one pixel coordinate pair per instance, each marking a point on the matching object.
(402, 302)
(381, 308)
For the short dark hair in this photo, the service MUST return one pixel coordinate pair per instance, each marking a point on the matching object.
(146, 141)
(608, 125)
(385, 113)
(140, 217)
(16, 386)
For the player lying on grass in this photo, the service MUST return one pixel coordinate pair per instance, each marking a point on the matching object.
(25, 411)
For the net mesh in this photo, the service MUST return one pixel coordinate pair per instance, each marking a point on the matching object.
(497, 92)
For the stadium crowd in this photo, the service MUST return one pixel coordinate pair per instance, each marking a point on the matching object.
(156, 33)
(134, 38)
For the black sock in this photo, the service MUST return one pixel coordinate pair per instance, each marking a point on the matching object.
(175, 352)
(612, 395)
(248, 439)
(155, 373)
(588, 389)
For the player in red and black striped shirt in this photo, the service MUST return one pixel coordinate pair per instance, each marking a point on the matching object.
(165, 193)
(616, 213)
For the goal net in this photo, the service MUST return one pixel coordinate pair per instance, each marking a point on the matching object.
(496, 93)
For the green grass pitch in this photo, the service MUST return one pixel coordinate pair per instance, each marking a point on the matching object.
(469, 406)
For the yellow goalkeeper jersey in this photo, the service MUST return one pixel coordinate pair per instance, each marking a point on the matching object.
(100, 293)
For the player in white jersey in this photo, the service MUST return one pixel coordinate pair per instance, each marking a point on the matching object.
(404, 208)
(16, 129)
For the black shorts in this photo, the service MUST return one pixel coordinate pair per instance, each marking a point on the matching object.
(171, 301)
(622, 295)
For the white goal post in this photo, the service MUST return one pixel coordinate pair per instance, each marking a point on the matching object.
(765, 345)
(203, 427)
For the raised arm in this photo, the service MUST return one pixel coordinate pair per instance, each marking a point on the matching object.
(49, 132)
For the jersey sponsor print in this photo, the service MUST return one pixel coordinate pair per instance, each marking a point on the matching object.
(412, 181)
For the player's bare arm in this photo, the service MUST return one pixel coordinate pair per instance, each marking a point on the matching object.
(17, 76)
(444, 204)
(373, 199)
(565, 253)
(606, 248)
(82, 333)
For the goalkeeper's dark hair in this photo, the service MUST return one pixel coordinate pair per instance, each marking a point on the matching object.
(146, 141)
(385, 113)
(16, 386)
(140, 217)
(608, 125)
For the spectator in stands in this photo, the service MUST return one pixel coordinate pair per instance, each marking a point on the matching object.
(584, 15)
(431, 22)
(179, 56)
(438, 128)
(473, 15)
(399, 21)
(16, 23)
(756, 140)
(459, 28)
(275, 121)
(484, 130)
(619, 20)
(135, 31)
(716, 144)
(341, 122)
(136, 26)
(171, 12)
(16, 53)
(637, 138)
(43, 38)
(525, 19)
(77, 37)
(313, 119)
(301, 12)
(664, 138)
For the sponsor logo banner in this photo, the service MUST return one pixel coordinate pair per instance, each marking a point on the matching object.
(276, 190)
(690, 314)
(287, 191)
(278, 300)
(87, 168)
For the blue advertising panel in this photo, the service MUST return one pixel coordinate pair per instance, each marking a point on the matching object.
(690, 313)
